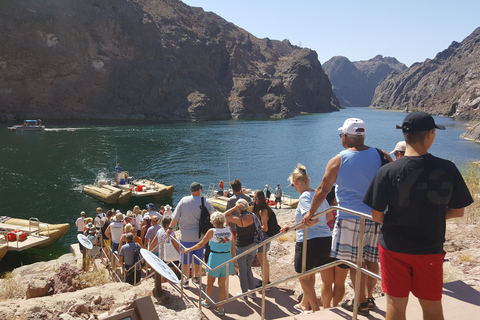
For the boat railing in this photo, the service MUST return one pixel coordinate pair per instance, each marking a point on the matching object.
(34, 226)
(3, 234)
(262, 289)
(210, 191)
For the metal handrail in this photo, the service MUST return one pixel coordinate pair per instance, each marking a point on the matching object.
(357, 267)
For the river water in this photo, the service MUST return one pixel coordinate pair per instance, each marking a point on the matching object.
(42, 173)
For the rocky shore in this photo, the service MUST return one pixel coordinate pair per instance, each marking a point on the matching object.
(100, 301)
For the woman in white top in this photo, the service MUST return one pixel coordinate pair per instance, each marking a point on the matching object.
(138, 219)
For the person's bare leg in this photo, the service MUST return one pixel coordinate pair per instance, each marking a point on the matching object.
(327, 283)
(371, 282)
(210, 282)
(432, 310)
(309, 295)
(196, 269)
(396, 308)
(221, 291)
(339, 279)
(362, 289)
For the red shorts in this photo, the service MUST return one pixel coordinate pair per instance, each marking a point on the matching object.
(422, 274)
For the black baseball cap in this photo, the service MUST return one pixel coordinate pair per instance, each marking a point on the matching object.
(419, 121)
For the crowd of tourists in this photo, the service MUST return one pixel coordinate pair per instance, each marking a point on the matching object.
(406, 203)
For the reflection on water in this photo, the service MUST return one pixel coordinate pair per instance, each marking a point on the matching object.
(43, 172)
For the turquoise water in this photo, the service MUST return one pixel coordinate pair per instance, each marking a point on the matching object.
(42, 173)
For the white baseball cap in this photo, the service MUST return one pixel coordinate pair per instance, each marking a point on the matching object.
(401, 146)
(354, 126)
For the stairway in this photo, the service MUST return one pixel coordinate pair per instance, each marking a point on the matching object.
(459, 300)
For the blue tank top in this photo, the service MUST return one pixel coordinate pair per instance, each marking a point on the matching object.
(357, 170)
(221, 241)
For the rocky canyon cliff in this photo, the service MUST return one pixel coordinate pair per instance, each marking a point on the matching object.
(148, 59)
(448, 85)
(354, 83)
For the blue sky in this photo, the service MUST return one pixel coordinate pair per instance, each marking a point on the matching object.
(410, 31)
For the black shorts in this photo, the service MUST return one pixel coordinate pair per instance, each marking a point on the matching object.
(318, 253)
(341, 265)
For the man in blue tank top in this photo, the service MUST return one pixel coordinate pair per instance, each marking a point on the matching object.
(352, 170)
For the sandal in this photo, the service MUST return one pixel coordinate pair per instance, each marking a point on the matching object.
(371, 303)
(299, 308)
(362, 307)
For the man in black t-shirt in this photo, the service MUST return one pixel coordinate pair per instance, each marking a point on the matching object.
(420, 192)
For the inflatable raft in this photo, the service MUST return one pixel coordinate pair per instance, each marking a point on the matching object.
(22, 234)
(121, 188)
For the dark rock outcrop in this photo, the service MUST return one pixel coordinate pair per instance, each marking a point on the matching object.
(354, 83)
(448, 85)
(148, 59)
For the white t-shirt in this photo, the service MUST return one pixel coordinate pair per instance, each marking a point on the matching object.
(80, 223)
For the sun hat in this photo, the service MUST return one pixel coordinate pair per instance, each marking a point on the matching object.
(417, 122)
(119, 217)
(400, 146)
(195, 186)
(354, 126)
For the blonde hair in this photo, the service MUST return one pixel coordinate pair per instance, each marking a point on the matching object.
(88, 220)
(217, 219)
(243, 204)
(299, 174)
(144, 211)
(129, 228)
(136, 210)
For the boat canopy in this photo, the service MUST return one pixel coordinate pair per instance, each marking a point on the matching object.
(31, 121)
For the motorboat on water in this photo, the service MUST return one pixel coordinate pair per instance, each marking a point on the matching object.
(29, 125)
(21, 234)
(122, 187)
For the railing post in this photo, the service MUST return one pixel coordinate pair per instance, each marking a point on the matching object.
(264, 280)
(358, 273)
(304, 248)
(157, 290)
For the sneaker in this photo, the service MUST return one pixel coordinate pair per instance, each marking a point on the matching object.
(205, 304)
(185, 284)
(195, 280)
(252, 295)
(244, 298)
(221, 312)
(260, 285)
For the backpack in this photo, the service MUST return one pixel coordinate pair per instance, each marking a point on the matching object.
(273, 227)
(383, 159)
(204, 223)
(137, 256)
(259, 236)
